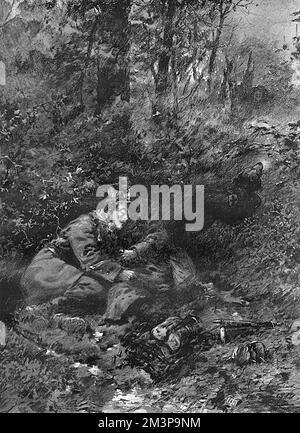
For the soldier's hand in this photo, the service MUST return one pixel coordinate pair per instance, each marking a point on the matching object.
(128, 256)
(127, 275)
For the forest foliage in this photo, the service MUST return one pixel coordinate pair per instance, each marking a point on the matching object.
(159, 91)
(101, 88)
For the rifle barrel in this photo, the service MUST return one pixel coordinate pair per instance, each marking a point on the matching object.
(232, 323)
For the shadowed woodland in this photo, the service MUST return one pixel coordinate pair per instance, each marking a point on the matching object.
(163, 92)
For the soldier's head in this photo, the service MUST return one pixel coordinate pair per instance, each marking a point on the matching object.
(112, 209)
(118, 219)
(114, 217)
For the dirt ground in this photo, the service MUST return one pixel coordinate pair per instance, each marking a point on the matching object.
(256, 273)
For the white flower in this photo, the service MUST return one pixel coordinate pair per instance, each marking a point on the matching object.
(95, 371)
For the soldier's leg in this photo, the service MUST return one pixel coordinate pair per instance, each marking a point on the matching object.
(125, 300)
(87, 295)
(48, 277)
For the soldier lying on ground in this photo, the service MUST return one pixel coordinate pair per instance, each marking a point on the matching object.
(78, 271)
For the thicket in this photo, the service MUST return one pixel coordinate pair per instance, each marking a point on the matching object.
(98, 89)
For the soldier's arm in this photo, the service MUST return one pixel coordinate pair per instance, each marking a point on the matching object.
(85, 246)
(153, 244)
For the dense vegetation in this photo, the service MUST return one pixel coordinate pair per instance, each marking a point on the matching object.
(160, 91)
(98, 89)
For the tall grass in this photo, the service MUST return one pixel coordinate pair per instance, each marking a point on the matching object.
(11, 292)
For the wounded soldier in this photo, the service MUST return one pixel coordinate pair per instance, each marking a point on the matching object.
(84, 270)
(77, 269)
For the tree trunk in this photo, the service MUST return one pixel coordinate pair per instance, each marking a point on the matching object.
(213, 56)
(247, 83)
(162, 78)
(216, 42)
(113, 79)
(228, 91)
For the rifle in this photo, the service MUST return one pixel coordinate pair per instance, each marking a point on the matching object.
(245, 323)
(242, 326)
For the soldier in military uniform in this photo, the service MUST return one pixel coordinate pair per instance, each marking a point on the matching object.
(83, 266)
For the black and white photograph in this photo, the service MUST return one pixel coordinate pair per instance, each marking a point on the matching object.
(150, 209)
